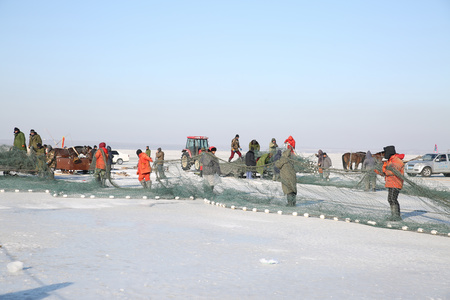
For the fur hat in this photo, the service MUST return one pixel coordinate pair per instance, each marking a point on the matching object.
(389, 151)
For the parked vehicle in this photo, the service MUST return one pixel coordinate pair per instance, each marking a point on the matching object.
(431, 163)
(119, 157)
(189, 155)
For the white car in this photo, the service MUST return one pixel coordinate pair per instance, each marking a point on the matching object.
(119, 157)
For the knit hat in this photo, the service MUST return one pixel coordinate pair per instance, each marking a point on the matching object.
(32, 131)
(212, 148)
(138, 151)
(16, 129)
(102, 145)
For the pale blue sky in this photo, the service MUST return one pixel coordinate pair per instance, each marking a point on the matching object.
(356, 75)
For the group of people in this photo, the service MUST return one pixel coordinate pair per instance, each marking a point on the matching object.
(283, 166)
(144, 167)
(283, 169)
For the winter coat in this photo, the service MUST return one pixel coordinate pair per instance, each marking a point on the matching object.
(110, 156)
(250, 160)
(326, 162)
(210, 164)
(369, 162)
(262, 161)
(40, 151)
(392, 167)
(19, 141)
(160, 158)
(235, 144)
(273, 146)
(287, 173)
(254, 146)
(34, 140)
(144, 164)
(148, 152)
(291, 143)
(320, 158)
(101, 157)
(276, 157)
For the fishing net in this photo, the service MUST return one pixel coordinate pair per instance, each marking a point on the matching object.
(334, 194)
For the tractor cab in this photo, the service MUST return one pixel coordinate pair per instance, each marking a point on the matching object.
(189, 155)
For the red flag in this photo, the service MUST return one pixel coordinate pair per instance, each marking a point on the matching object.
(62, 143)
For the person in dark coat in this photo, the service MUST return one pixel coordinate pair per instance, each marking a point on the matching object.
(276, 171)
(370, 177)
(250, 162)
(109, 162)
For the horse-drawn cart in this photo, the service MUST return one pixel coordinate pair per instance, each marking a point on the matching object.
(70, 164)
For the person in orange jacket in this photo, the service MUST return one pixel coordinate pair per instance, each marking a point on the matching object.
(144, 169)
(290, 144)
(101, 157)
(393, 170)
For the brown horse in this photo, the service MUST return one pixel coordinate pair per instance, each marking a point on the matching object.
(350, 158)
(378, 156)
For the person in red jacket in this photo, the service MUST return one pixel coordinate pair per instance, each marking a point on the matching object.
(101, 157)
(144, 169)
(393, 171)
(290, 143)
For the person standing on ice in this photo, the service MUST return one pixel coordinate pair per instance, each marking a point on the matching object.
(235, 147)
(160, 163)
(273, 146)
(276, 171)
(254, 146)
(326, 166)
(290, 144)
(250, 162)
(148, 151)
(211, 168)
(319, 156)
(109, 162)
(34, 140)
(144, 169)
(19, 140)
(370, 178)
(101, 158)
(288, 177)
(393, 170)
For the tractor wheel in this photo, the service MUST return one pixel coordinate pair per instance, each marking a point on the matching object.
(197, 165)
(185, 161)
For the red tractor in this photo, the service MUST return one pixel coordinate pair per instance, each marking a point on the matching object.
(189, 155)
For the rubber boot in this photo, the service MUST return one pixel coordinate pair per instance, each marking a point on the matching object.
(149, 184)
(395, 212)
(143, 183)
(291, 199)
